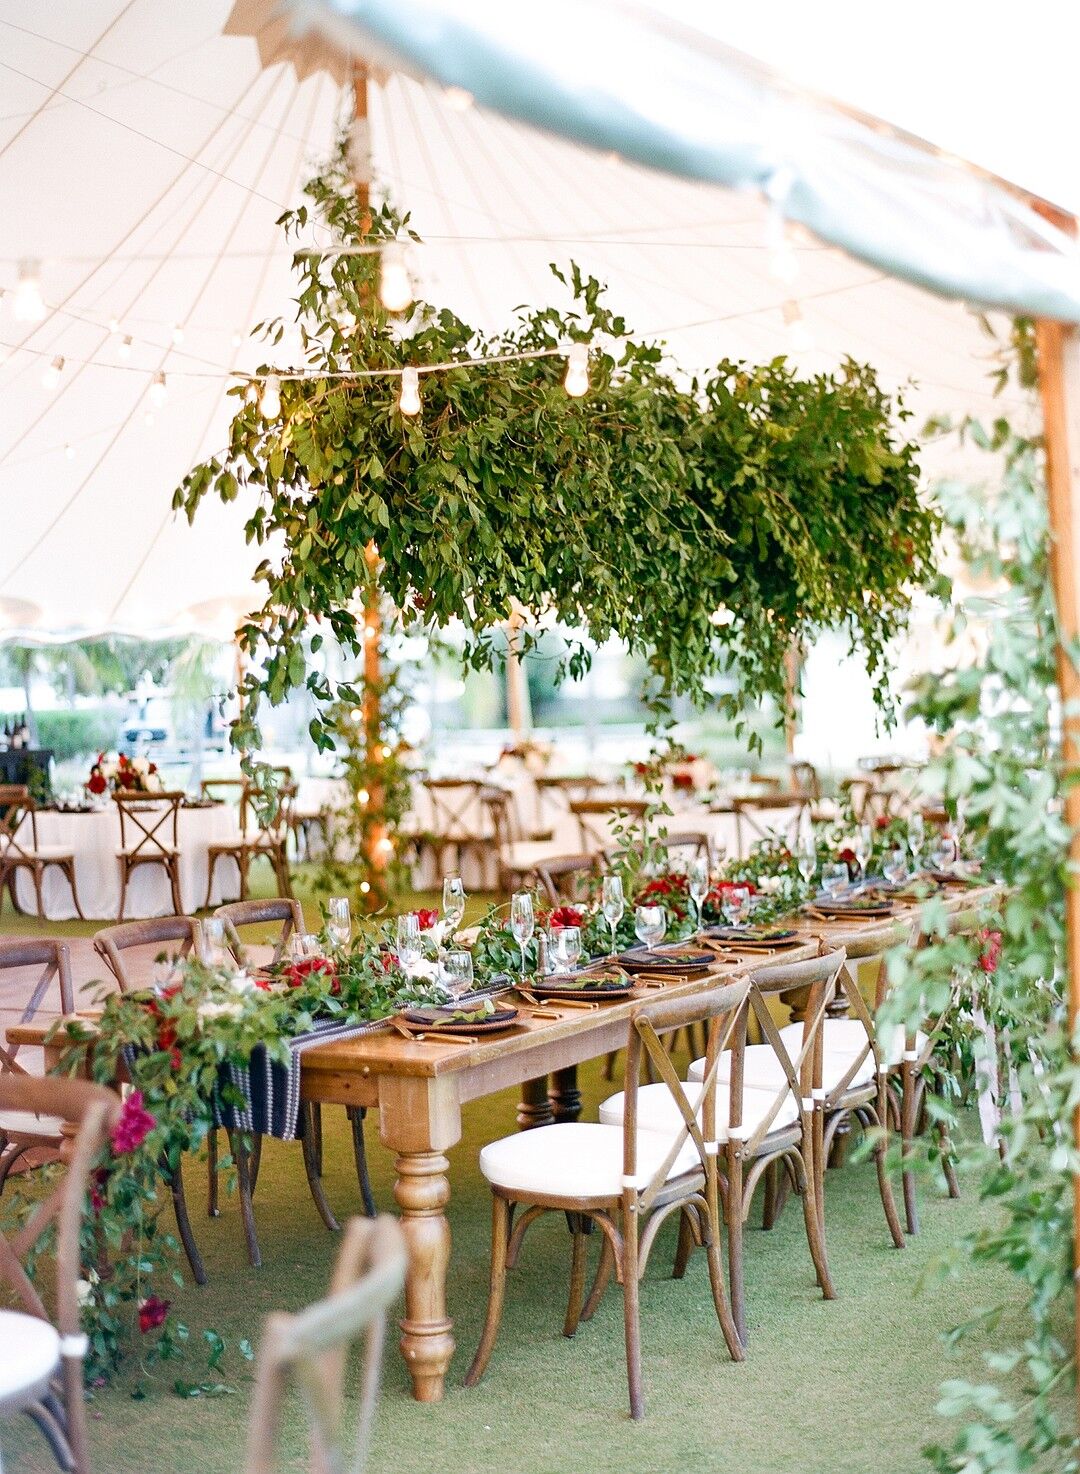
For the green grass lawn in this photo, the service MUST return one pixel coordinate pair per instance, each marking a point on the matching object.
(828, 1388)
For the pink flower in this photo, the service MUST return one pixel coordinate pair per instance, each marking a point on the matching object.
(990, 955)
(152, 1313)
(134, 1125)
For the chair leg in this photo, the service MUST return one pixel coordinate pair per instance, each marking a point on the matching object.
(172, 867)
(577, 1276)
(815, 1236)
(632, 1313)
(124, 872)
(247, 1207)
(69, 871)
(39, 894)
(500, 1238)
(315, 1116)
(735, 1242)
(907, 1143)
(881, 1157)
(314, 1177)
(609, 1064)
(685, 1246)
(356, 1121)
(210, 869)
(941, 1130)
(212, 1209)
(183, 1225)
(716, 1274)
(770, 1206)
(602, 1280)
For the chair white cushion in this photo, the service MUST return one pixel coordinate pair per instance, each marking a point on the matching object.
(29, 1354)
(26, 1123)
(762, 1069)
(150, 852)
(657, 1110)
(576, 1159)
(52, 852)
(848, 1036)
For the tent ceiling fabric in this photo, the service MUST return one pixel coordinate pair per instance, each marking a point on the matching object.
(144, 157)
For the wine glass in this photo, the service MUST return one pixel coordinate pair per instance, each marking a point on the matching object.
(453, 902)
(612, 904)
(213, 952)
(895, 867)
(522, 922)
(807, 858)
(863, 848)
(916, 834)
(566, 947)
(303, 945)
(943, 852)
(650, 924)
(738, 904)
(458, 973)
(834, 879)
(698, 877)
(339, 920)
(409, 947)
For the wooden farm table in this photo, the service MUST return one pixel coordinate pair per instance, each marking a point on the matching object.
(419, 1089)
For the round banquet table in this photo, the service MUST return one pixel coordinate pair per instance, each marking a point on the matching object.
(94, 839)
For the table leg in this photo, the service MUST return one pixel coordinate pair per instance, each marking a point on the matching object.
(535, 1105)
(422, 1192)
(564, 1094)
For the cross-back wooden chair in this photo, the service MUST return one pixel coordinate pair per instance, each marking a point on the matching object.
(785, 810)
(458, 824)
(22, 1132)
(88, 1112)
(310, 1346)
(259, 837)
(149, 835)
(290, 918)
(568, 879)
(595, 816)
(20, 850)
(804, 777)
(228, 790)
(555, 792)
(684, 845)
(625, 1178)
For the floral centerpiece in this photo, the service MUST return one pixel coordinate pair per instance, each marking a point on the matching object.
(123, 774)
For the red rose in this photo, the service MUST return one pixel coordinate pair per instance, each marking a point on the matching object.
(153, 1313)
(566, 916)
(641, 769)
(990, 955)
(882, 821)
(300, 972)
(98, 1182)
(725, 887)
(133, 1126)
(97, 783)
(152, 768)
(427, 917)
(682, 780)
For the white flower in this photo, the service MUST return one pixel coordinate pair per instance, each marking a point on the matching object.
(227, 1008)
(141, 765)
(769, 884)
(426, 970)
(241, 983)
(84, 1289)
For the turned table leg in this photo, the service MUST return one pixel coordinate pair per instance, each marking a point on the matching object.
(535, 1106)
(422, 1192)
(564, 1095)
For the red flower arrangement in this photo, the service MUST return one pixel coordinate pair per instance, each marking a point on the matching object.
(990, 956)
(133, 1125)
(427, 917)
(299, 972)
(97, 783)
(566, 916)
(153, 1313)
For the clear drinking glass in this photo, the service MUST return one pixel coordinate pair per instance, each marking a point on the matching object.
(738, 904)
(943, 853)
(522, 922)
(458, 973)
(566, 947)
(895, 867)
(650, 924)
(834, 879)
(453, 902)
(304, 944)
(864, 848)
(698, 877)
(409, 949)
(807, 858)
(916, 833)
(612, 904)
(339, 920)
(213, 952)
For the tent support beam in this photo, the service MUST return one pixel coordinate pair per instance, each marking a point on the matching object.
(518, 710)
(1059, 385)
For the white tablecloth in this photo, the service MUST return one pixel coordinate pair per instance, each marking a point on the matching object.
(94, 839)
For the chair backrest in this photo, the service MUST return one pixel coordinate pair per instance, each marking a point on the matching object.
(804, 777)
(503, 815)
(721, 1007)
(688, 844)
(113, 941)
(457, 807)
(595, 816)
(568, 878)
(148, 823)
(273, 828)
(230, 790)
(281, 909)
(54, 959)
(556, 791)
(310, 1346)
(16, 805)
(93, 1110)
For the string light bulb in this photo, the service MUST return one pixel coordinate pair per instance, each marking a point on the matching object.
(51, 377)
(29, 303)
(159, 390)
(576, 382)
(395, 288)
(270, 400)
(124, 351)
(409, 398)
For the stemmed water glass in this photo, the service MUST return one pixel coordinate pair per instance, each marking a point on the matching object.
(895, 867)
(698, 877)
(738, 903)
(864, 848)
(409, 947)
(612, 904)
(943, 855)
(339, 921)
(916, 833)
(566, 947)
(458, 973)
(650, 924)
(807, 858)
(834, 879)
(213, 953)
(304, 945)
(453, 902)
(522, 923)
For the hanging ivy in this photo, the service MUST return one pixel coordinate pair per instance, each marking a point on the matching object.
(708, 524)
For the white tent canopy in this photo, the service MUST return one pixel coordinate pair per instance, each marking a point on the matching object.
(144, 157)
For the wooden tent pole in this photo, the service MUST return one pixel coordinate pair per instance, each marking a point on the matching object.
(1058, 348)
(518, 712)
(360, 167)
